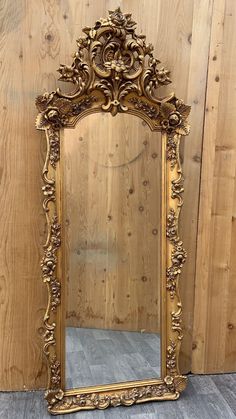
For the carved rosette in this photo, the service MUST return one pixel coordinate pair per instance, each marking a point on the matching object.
(113, 70)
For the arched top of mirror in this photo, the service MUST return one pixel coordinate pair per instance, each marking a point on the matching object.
(113, 70)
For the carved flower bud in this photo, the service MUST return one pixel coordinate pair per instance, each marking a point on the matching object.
(118, 65)
(52, 114)
(174, 118)
(168, 380)
(55, 289)
(165, 123)
(48, 190)
(118, 18)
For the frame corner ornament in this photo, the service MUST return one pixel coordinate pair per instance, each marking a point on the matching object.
(113, 71)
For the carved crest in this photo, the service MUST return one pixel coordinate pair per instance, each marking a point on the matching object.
(114, 68)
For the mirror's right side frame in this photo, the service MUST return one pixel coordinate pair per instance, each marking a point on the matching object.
(123, 84)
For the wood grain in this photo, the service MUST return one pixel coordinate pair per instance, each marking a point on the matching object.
(112, 190)
(191, 154)
(22, 226)
(214, 326)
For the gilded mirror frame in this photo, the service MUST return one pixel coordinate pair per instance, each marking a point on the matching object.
(113, 71)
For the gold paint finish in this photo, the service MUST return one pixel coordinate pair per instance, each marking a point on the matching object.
(113, 71)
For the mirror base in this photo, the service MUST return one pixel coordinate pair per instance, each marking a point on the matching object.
(123, 394)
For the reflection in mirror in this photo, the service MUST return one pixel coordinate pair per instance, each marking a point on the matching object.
(111, 209)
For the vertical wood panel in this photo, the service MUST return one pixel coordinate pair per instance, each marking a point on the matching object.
(214, 325)
(21, 223)
(191, 152)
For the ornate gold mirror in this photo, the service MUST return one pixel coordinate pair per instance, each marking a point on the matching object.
(112, 198)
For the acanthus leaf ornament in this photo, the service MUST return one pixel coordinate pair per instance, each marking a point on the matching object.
(174, 117)
(114, 60)
(113, 70)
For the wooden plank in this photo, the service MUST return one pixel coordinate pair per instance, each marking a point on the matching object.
(191, 151)
(21, 224)
(214, 328)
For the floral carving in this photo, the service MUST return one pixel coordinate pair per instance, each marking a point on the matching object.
(56, 293)
(54, 146)
(172, 276)
(114, 60)
(55, 372)
(48, 265)
(79, 72)
(58, 111)
(53, 396)
(49, 190)
(171, 229)
(147, 108)
(174, 117)
(178, 257)
(49, 260)
(120, 20)
(55, 233)
(178, 253)
(171, 152)
(170, 386)
(171, 357)
(153, 76)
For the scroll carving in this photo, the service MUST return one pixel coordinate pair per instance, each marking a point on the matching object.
(176, 321)
(113, 70)
(169, 387)
(114, 66)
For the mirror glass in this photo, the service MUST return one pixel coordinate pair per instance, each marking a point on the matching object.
(111, 195)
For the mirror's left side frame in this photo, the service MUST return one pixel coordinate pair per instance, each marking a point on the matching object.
(169, 115)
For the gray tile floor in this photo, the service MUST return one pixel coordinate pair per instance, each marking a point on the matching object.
(206, 397)
(97, 356)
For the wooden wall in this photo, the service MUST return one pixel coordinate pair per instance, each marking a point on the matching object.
(214, 331)
(196, 40)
